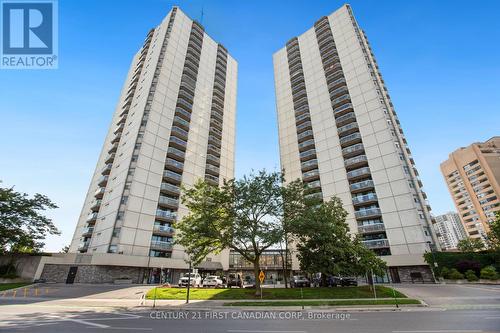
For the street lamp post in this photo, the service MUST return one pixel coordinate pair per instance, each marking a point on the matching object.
(189, 282)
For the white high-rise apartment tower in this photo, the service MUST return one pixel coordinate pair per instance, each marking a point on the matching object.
(449, 230)
(174, 124)
(339, 133)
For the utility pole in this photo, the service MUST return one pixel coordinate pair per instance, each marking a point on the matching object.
(189, 282)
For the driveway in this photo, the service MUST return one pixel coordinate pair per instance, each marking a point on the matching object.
(454, 296)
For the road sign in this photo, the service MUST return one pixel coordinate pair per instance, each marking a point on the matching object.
(261, 276)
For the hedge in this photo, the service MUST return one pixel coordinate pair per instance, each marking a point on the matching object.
(462, 261)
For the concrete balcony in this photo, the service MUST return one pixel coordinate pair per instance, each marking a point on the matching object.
(309, 165)
(305, 135)
(342, 109)
(212, 179)
(96, 205)
(348, 129)
(165, 215)
(92, 217)
(181, 113)
(350, 139)
(170, 189)
(84, 246)
(306, 145)
(161, 246)
(174, 165)
(310, 175)
(300, 118)
(87, 231)
(307, 155)
(338, 91)
(107, 169)
(364, 199)
(181, 122)
(113, 148)
(362, 186)
(355, 162)
(336, 83)
(212, 159)
(212, 170)
(119, 129)
(354, 150)
(163, 230)
(102, 181)
(99, 193)
(168, 202)
(371, 228)
(376, 243)
(358, 173)
(214, 140)
(172, 176)
(176, 154)
(304, 126)
(342, 99)
(368, 213)
(110, 158)
(213, 150)
(179, 132)
(345, 119)
(177, 143)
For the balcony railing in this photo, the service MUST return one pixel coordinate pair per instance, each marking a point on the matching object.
(99, 192)
(95, 206)
(163, 246)
(176, 153)
(350, 139)
(361, 199)
(83, 246)
(103, 180)
(180, 132)
(87, 231)
(183, 113)
(303, 135)
(163, 229)
(308, 165)
(310, 174)
(92, 217)
(358, 173)
(171, 163)
(305, 144)
(314, 184)
(212, 179)
(170, 188)
(340, 99)
(338, 91)
(345, 119)
(172, 175)
(370, 212)
(335, 83)
(353, 150)
(213, 149)
(110, 158)
(349, 128)
(181, 122)
(169, 202)
(376, 243)
(341, 109)
(364, 185)
(212, 169)
(308, 154)
(212, 158)
(165, 214)
(370, 228)
(178, 142)
(300, 118)
(354, 161)
(303, 126)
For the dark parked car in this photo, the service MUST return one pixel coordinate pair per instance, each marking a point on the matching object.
(234, 280)
(342, 281)
(299, 281)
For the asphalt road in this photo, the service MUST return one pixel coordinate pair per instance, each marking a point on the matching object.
(414, 321)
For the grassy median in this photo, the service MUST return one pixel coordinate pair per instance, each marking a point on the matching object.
(327, 303)
(7, 286)
(273, 293)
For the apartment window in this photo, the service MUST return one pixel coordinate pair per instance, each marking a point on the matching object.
(120, 215)
(422, 216)
(116, 232)
(134, 158)
(112, 249)
(410, 183)
(124, 200)
(127, 186)
(401, 156)
(406, 169)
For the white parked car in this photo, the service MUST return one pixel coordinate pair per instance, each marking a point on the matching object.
(212, 281)
(193, 278)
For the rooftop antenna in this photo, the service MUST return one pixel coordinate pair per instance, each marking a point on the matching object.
(201, 20)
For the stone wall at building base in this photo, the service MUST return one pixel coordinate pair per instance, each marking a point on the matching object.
(406, 272)
(93, 273)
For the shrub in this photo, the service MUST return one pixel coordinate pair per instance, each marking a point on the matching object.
(468, 265)
(489, 273)
(455, 275)
(445, 272)
(470, 276)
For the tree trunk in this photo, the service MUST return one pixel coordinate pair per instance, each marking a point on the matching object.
(283, 266)
(285, 277)
(256, 271)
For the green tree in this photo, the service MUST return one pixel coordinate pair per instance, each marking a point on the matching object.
(22, 225)
(489, 273)
(470, 245)
(241, 215)
(494, 233)
(324, 244)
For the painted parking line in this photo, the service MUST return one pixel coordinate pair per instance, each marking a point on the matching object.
(440, 331)
(260, 331)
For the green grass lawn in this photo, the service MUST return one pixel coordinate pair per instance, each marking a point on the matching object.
(7, 286)
(273, 293)
(326, 303)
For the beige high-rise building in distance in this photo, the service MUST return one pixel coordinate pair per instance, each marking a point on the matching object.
(174, 124)
(472, 175)
(339, 133)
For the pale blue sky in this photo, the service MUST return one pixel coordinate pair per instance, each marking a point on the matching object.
(440, 61)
